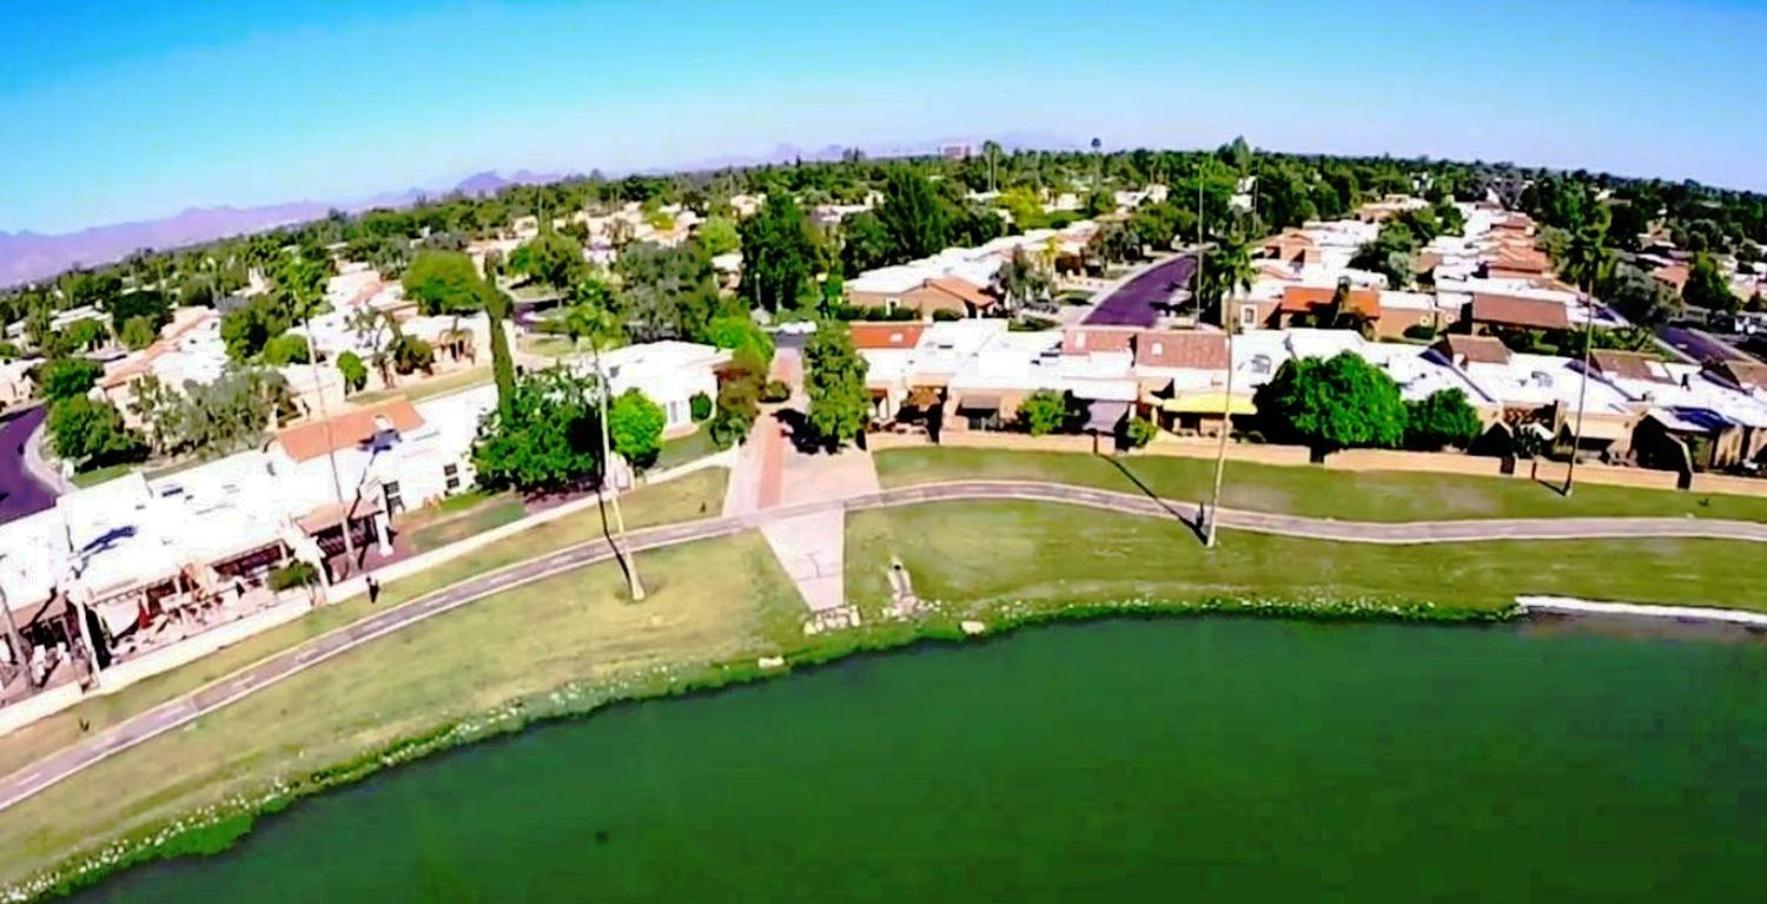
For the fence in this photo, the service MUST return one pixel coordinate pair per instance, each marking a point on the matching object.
(1348, 460)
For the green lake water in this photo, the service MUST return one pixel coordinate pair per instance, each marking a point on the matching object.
(1209, 759)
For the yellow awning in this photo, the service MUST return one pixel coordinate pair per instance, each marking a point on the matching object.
(1207, 403)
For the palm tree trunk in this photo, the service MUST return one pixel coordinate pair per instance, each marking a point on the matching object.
(610, 486)
(337, 483)
(1226, 428)
(1582, 390)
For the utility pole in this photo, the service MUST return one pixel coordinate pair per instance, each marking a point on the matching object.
(1226, 428)
(337, 483)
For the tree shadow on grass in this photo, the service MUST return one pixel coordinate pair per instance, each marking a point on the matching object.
(1196, 523)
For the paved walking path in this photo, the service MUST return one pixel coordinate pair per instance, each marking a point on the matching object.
(180, 711)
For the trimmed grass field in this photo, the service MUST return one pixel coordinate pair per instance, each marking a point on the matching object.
(520, 645)
(996, 561)
(1353, 496)
(683, 449)
(690, 496)
(96, 476)
(980, 554)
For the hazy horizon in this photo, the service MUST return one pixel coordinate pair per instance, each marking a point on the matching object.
(177, 106)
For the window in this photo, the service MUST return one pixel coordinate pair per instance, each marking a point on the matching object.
(1159, 349)
(1080, 340)
(1248, 315)
(1260, 364)
(451, 477)
(395, 502)
(890, 304)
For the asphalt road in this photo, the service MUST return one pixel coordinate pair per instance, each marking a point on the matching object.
(20, 493)
(1137, 302)
(170, 715)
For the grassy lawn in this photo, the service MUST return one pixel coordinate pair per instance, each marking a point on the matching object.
(692, 496)
(1359, 496)
(683, 449)
(449, 527)
(519, 646)
(979, 554)
(417, 391)
(96, 476)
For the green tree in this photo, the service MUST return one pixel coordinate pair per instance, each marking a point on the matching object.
(740, 334)
(247, 328)
(83, 335)
(1443, 419)
(636, 426)
(550, 258)
(1045, 411)
(866, 244)
(1707, 287)
(718, 235)
(1339, 403)
(779, 254)
(354, 372)
(916, 218)
(138, 333)
(666, 293)
(148, 304)
(286, 349)
(834, 379)
(1389, 254)
(548, 442)
(65, 378)
(444, 282)
(91, 434)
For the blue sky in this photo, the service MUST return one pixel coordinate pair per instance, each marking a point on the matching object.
(108, 116)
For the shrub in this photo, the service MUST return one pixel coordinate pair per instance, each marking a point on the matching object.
(700, 406)
(1443, 419)
(635, 424)
(8, 351)
(946, 314)
(738, 406)
(1422, 331)
(65, 378)
(1043, 412)
(354, 371)
(294, 574)
(91, 434)
(775, 391)
(138, 333)
(411, 354)
(1139, 431)
(286, 349)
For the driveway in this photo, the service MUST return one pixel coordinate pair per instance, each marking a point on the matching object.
(1137, 302)
(20, 493)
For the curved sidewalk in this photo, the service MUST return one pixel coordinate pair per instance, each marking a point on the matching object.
(165, 717)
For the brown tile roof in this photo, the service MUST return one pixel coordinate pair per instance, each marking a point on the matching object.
(141, 364)
(1303, 299)
(886, 335)
(1084, 340)
(1509, 310)
(1519, 259)
(1188, 350)
(1474, 349)
(1425, 261)
(1629, 365)
(1674, 275)
(352, 428)
(962, 289)
(1745, 372)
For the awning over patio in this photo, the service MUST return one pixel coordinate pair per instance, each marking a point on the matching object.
(979, 401)
(331, 514)
(1103, 417)
(1207, 403)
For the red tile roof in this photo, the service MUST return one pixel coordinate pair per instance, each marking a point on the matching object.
(1187, 350)
(886, 335)
(352, 428)
(1509, 310)
(1745, 372)
(961, 289)
(1304, 299)
(1084, 340)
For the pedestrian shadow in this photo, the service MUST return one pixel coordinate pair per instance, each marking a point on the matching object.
(1195, 524)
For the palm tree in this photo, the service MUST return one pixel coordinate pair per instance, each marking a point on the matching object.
(1097, 165)
(991, 150)
(589, 321)
(1230, 275)
(1588, 261)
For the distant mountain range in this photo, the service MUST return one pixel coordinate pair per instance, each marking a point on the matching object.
(28, 256)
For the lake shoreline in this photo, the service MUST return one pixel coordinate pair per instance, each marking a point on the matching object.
(213, 829)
